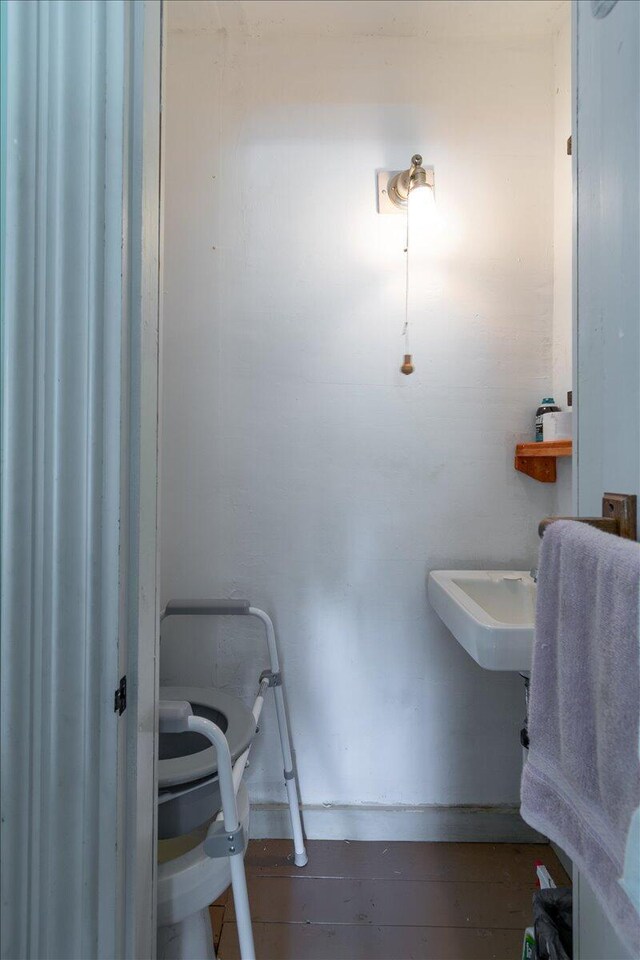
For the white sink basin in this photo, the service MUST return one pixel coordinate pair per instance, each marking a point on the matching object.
(489, 612)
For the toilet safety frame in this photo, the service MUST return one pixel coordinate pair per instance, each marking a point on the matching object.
(225, 837)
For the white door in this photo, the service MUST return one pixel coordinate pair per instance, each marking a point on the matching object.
(80, 175)
(606, 138)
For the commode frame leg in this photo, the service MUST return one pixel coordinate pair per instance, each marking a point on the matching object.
(224, 839)
(291, 782)
(231, 824)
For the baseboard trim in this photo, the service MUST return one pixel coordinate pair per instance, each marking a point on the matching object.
(427, 823)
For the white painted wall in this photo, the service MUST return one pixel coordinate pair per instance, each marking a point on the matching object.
(299, 467)
(562, 243)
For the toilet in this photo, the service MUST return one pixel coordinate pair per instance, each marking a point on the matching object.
(188, 802)
(205, 736)
(188, 792)
(188, 882)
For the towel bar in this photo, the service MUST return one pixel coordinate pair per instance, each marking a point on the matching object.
(619, 516)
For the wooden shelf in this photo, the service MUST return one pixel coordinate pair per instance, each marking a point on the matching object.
(538, 460)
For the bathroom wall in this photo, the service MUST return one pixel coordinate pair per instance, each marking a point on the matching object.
(562, 243)
(300, 468)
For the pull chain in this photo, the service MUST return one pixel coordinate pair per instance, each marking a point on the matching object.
(407, 366)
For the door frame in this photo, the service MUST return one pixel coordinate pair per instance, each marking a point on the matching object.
(79, 345)
(141, 661)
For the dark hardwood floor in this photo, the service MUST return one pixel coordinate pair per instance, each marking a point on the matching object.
(387, 901)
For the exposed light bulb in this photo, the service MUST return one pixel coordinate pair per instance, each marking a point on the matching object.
(421, 205)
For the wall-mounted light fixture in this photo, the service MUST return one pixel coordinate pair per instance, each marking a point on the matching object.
(410, 192)
(395, 186)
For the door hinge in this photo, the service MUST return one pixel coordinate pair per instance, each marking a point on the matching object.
(120, 697)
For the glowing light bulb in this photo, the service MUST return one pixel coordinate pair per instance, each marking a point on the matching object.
(421, 207)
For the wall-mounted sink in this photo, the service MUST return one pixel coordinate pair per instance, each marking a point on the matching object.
(489, 612)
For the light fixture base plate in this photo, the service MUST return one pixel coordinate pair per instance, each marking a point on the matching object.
(383, 179)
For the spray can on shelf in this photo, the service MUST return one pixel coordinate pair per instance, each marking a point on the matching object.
(548, 405)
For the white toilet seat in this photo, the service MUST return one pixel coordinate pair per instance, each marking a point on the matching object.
(240, 730)
(189, 880)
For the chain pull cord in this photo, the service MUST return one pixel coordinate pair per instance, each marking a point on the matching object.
(407, 366)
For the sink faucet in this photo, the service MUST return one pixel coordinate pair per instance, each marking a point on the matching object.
(533, 573)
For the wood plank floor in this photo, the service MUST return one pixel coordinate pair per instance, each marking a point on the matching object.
(387, 901)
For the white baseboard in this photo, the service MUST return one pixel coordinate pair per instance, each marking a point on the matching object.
(428, 823)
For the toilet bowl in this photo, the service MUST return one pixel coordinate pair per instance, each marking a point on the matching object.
(188, 882)
(188, 789)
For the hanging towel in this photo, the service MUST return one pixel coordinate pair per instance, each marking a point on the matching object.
(581, 782)
(631, 877)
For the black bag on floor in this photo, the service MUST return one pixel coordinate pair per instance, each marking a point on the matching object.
(553, 923)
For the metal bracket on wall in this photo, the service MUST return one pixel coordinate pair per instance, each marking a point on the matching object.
(619, 516)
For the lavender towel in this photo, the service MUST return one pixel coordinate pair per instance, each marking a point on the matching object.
(581, 782)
